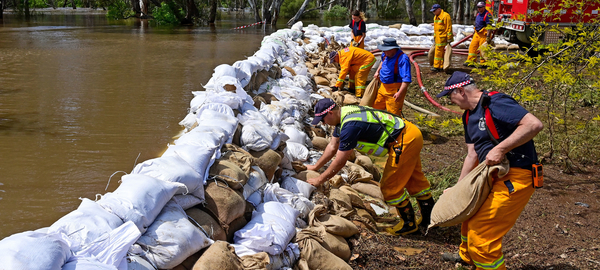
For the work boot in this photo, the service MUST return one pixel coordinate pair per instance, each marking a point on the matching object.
(436, 69)
(407, 224)
(359, 92)
(426, 204)
(453, 257)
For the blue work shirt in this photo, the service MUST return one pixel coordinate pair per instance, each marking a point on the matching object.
(506, 114)
(358, 28)
(355, 131)
(481, 20)
(386, 73)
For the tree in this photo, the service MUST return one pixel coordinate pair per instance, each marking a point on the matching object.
(410, 12)
(299, 13)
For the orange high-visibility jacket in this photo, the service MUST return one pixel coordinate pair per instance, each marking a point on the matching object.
(442, 28)
(352, 57)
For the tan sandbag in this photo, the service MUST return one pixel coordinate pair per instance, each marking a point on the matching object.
(338, 97)
(333, 224)
(363, 213)
(238, 156)
(331, 76)
(207, 223)
(261, 77)
(513, 47)
(350, 99)
(367, 164)
(223, 202)
(258, 261)
(431, 55)
(447, 56)
(229, 173)
(321, 80)
(369, 189)
(314, 255)
(309, 65)
(355, 199)
(464, 199)
(189, 262)
(219, 255)
(370, 94)
(336, 245)
(318, 132)
(397, 26)
(336, 181)
(235, 226)
(291, 70)
(341, 198)
(482, 51)
(356, 173)
(331, 69)
(237, 135)
(319, 143)
(501, 47)
(275, 72)
(268, 161)
(308, 174)
(313, 71)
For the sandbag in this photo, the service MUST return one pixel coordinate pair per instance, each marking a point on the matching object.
(188, 201)
(208, 224)
(370, 94)
(297, 186)
(258, 261)
(336, 245)
(319, 143)
(219, 255)
(224, 203)
(33, 250)
(341, 198)
(356, 173)
(229, 173)
(482, 51)
(447, 56)
(308, 174)
(236, 225)
(369, 189)
(266, 232)
(268, 160)
(321, 81)
(462, 201)
(172, 169)
(355, 199)
(333, 224)
(200, 158)
(350, 99)
(431, 55)
(314, 255)
(238, 156)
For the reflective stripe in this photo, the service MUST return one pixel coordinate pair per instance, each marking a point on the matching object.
(493, 265)
(438, 21)
(464, 238)
(390, 123)
(398, 200)
(379, 151)
(439, 59)
(472, 54)
(351, 81)
(368, 65)
(441, 44)
(361, 87)
(340, 80)
(423, 192)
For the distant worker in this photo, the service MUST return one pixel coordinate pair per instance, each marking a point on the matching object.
(359, 29)
(395, 76)
(480, 36)
(356, 61)
(442, 34)
(375, 132)
(495, 126)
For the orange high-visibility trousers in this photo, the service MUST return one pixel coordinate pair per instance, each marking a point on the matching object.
(359, 76)
(362, 42)
(478, 39)
(482, 234)
(440, 49)
(406, 177)
(385, 98)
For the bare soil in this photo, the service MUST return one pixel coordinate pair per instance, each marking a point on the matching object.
(559, 228)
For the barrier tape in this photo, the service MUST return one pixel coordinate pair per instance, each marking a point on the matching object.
(245, 26)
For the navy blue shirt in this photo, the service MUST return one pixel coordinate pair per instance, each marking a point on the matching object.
(358, 28)
(355, 131)
(506, 113)
(481, 20)
(387, 71)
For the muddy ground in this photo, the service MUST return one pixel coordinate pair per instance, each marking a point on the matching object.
(559, 228)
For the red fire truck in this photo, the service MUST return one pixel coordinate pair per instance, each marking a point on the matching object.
(518, 17)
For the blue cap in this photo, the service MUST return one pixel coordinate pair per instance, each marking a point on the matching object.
(434, 7)
(458, 79)
(481, 4)
(321, 109)
(388, 44)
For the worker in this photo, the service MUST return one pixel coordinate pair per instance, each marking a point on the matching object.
(442, 34)
(395, 76)
(358, 63)
(375, 132)
(481, 34)
(359, 29)
(495, 126)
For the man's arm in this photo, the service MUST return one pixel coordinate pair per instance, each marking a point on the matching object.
(344, 70)
(471, 161)
(527, 128)
(378, 69)
(336, 166)
(327, 154)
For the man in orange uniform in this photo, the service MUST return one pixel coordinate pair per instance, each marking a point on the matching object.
(495, 126)
(442, 34)
(481, 34)
(358, 63)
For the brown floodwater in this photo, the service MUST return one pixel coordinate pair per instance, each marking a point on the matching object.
(81, 97)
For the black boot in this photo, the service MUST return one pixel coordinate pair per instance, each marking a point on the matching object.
(426, 205)
(407, 224)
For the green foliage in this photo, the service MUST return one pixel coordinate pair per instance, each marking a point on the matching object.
(289, 8)
(336, 12)
(443, 127)
(391, 12)
(38, 4)
(118, 9)
(167, 14)
(444, 178)
(559, 85)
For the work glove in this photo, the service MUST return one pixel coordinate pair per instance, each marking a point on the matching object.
(335, 88)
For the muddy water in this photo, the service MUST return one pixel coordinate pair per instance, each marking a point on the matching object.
(81, 98)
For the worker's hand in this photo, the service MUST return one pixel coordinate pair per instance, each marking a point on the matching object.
(376, 75)
(397, 97)
(335, 88)
(445, 190)
(494, 156)
(311, 167)
(314, 181)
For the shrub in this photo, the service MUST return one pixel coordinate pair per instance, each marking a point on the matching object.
(336, 12)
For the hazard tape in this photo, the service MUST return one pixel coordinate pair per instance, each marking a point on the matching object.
(245, 26)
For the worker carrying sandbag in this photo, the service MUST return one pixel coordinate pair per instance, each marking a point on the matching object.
(442, 34)
(481, 35)
(395, 76)
(376, 132)
(495, 126)
(356, 61)
(359, 29)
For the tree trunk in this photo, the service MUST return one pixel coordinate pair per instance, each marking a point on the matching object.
(212, 15)
(454, 10)
(275, 8)
(459, 12)
(26, 7)
(1, 9)
(135, 6)
(255, 8)
(468, 10)
(423, 12)
(73, 4)
(409, 11)
(299, 13)
(144, 8)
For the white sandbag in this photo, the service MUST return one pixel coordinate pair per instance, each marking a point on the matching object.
(266, 232)
(223, 70)
(297, 186)
(111, 248)
(172, 238)
(228, 84)
(287, 259)
(85, 224)
(172, 169)
(87, 264)
(257, 136)
(255, 198)
(256, 180)
(188, 121)
(207, 136)
(188, 201)
(140, 198)
(296, 135)
(33, 251)
(200, 98)
(135, 262)
(217, 107)
(216, 119)
(281, 210)
(200, 158)
(296, 151)
(273, 192)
